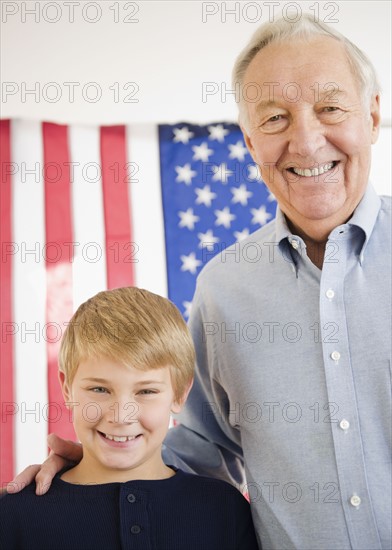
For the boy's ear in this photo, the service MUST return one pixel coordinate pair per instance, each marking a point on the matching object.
(177, 405)
(64, 387)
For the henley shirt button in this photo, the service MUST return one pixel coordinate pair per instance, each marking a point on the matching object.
(335, 355)
(330, 294)
(135, 529)
(131, 498)
(344, 424)
(355, 500)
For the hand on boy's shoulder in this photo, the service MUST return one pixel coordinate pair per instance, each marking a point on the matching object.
(63, 452)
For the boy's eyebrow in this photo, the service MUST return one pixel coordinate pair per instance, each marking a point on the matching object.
(96, 379)
(104, 381)
(151, 382)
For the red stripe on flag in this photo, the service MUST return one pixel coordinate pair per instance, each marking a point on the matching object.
(8, 405)
(119, 246)
(59, 257)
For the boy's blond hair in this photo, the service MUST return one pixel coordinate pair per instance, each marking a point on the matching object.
(134, 327)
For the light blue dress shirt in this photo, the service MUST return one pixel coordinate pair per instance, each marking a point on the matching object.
(294, 379)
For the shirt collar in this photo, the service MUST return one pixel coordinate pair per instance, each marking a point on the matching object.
(281, 227)
(365, 215)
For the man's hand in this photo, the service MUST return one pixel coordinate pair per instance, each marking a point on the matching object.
(62, 453)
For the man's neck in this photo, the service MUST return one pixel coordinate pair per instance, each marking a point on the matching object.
(315, 243)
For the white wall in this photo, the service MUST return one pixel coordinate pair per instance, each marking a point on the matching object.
(169, 50)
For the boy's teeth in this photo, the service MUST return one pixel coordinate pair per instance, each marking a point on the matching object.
(118, 438)
(307, 172)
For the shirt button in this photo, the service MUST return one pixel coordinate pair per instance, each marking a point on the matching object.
(344, 424)
(131, 498)
(330, 294)
(135, 529)
(355, 500)
(295, 244)
(335, 355)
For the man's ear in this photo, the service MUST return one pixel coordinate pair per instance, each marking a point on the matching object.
(179, 403)
(65, 387)
(375, 117)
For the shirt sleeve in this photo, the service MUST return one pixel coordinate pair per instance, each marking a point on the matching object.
(205, 443)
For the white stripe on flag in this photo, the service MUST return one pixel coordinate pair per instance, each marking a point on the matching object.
(29, 295)
(89, 268)
(146, 207)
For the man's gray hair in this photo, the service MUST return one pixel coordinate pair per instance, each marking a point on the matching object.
(305, 28)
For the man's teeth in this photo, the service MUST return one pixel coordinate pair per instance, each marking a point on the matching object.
(307, 172)
(119, 438)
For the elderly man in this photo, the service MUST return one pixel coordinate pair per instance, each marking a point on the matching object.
(293, 378)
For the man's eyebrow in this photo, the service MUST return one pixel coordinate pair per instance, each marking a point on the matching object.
(329, 93)
(265, 103)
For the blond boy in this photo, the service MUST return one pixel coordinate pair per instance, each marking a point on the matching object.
(126, 364)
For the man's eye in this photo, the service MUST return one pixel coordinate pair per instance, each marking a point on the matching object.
(275, 118)
(331, 109)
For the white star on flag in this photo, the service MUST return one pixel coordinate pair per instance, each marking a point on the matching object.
(205, 195)
(218, 132)
(182, 135)
(188, 219)
(207, 240)
(241, 235)
(240, 194)
(185, 174)
(260, 215)
(221, 173)
(190, 263)
(254, 172)
(238, 151)
(202, 152)
(187, 308)
(224, 217)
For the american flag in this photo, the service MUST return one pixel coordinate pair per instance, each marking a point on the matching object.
(84, 209)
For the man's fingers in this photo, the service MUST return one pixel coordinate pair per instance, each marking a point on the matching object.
(69, 450)
(23, 479)
(49, 469)
(62, 453)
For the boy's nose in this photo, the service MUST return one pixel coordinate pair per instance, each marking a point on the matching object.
(126, 412)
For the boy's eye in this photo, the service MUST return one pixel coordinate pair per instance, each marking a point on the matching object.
(147, 392)
(99, 389)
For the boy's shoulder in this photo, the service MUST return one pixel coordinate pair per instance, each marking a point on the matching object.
(22, 493)
(208, 486)
(27, 495)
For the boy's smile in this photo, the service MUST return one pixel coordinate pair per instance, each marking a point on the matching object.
(121, 416)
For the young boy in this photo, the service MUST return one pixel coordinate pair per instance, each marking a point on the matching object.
(126, 363)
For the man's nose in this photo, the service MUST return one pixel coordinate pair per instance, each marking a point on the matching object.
(306, 135)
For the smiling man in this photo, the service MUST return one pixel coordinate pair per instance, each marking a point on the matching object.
(293, 350)
(292, 392)
(311, 132)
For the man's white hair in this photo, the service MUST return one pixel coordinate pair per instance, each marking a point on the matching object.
(305, 28)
